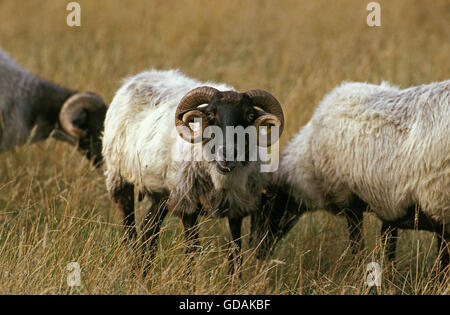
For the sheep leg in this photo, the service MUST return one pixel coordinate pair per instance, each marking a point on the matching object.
(234, 257)
(152, 224)
(191, 232)
(124, 198)
(354, 223)
(389, 236)
(150, 229)
(444, 249)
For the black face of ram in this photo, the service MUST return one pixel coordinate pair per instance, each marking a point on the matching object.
(277, 215)
(91, 144)
(229, 142)
(80, 123)
(225, 113)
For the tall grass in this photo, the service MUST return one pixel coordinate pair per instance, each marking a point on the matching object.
(54, 208)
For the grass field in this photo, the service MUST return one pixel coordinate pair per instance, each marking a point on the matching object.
(54, 208)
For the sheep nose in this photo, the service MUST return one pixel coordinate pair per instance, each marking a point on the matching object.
(228, 154)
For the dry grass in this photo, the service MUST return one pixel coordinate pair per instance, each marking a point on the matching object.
(54, 208)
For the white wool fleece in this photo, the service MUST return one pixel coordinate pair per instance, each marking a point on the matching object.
(389, 146)
(140, 141)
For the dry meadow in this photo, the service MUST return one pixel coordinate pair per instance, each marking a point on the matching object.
(54, 208)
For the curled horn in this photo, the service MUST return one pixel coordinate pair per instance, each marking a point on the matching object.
(273, 115)
(186, 112)
(73, 105)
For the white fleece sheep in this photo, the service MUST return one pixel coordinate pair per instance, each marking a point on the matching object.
(389, 146)
(373, 146)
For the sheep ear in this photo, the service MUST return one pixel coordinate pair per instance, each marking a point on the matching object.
(259, 109)
(259, 112)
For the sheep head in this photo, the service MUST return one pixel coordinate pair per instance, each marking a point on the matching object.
(81, 119)
(224, 109)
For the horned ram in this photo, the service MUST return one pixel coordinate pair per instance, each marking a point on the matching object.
(151, 119)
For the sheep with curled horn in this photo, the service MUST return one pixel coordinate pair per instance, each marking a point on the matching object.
(33, 109)
(150, 119)
(367, 147)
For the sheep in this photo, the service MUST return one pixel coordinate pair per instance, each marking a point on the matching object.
(367, 147)
(33, 109)
(141, 138)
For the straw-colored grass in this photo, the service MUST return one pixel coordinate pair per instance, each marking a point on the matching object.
(54, 208)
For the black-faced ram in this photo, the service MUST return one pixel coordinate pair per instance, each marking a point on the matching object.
(149, 123)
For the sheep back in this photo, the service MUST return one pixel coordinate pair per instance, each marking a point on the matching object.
(389, 146)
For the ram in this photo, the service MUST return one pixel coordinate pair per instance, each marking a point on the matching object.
(150, 120)
(374, 147)
(32, 109)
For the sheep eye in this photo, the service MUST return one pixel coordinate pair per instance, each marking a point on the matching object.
(251, 117)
